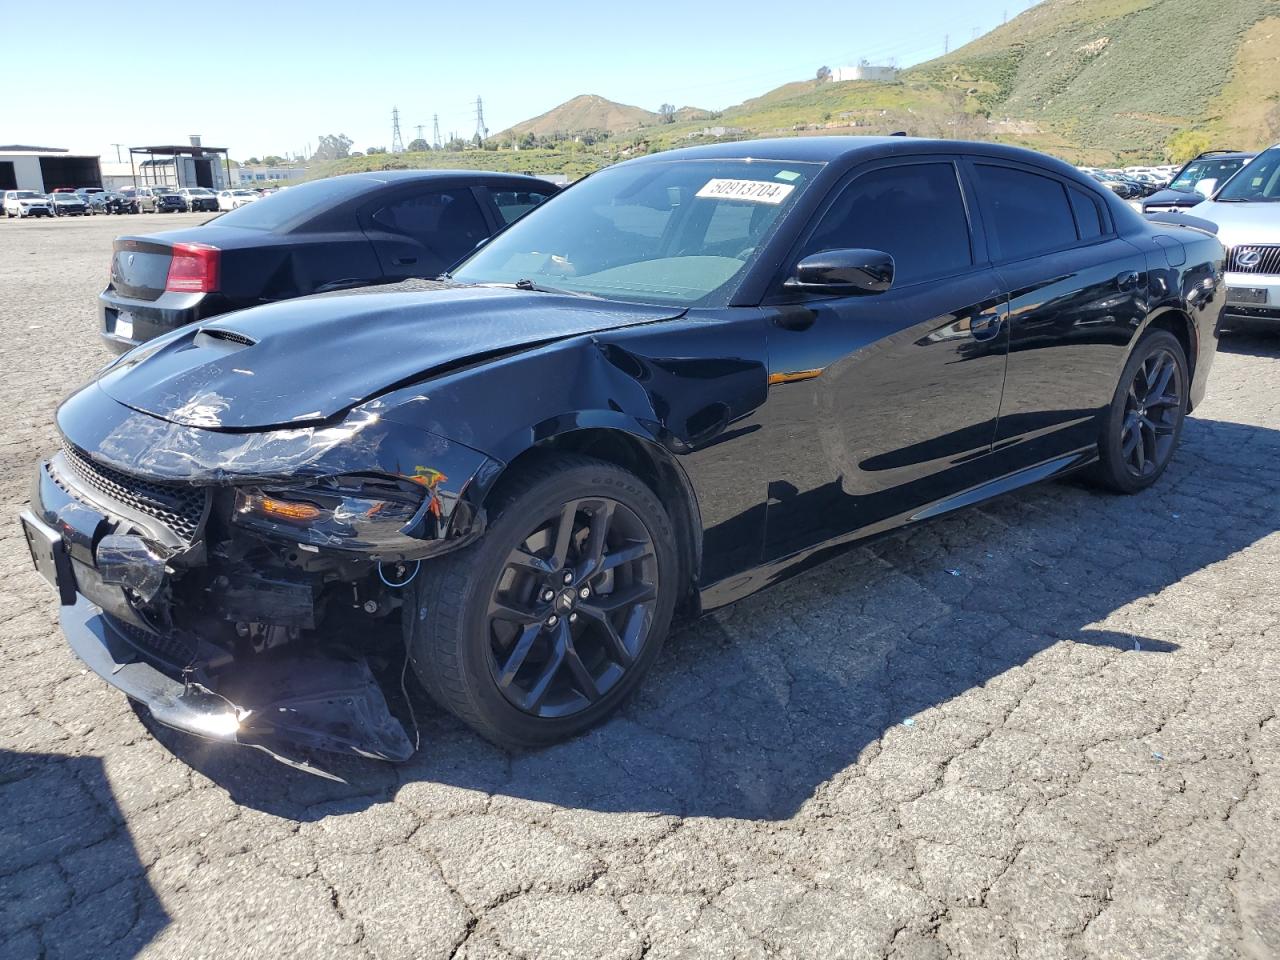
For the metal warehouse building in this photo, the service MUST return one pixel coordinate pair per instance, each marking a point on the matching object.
(43, 169)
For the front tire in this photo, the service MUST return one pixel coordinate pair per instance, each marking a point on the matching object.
(544, 626)
(1144, 422)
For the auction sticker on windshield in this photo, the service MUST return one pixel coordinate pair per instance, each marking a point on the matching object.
(754, 191)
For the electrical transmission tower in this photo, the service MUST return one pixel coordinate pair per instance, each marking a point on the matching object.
(481, 130)
(435, 131)
(397, 144)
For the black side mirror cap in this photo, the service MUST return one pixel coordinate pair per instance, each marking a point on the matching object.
(843, 271)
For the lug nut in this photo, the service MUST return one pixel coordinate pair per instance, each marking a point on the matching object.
(573, 618)
(584, 592)
(548, 595)
(568, 577)
(371, 606)
(552, 620)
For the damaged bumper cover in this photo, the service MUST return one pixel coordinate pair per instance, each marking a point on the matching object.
(155, 593)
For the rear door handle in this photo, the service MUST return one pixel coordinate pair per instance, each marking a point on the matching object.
(404, 261)
(1128, 280)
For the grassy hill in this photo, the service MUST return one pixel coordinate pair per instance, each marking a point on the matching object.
(582, 113)
(1092, 81)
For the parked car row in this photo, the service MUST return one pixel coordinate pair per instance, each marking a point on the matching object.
(85, 201)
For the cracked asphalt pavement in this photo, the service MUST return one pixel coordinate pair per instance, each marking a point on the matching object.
(1046, 727)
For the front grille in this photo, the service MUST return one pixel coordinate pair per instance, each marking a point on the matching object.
(169, 649)
(1268, 263)
(180, 508)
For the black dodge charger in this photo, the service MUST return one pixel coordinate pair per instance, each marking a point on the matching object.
(681, 380)
(363, 228)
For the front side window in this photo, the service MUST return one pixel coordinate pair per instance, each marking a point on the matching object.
(1030, 214)
(1258, 182)
(514, 204)
(913, 212)
(681, 232)
(448, 222)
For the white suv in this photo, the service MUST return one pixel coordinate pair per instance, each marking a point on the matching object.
(1247, 212)
(26, 203)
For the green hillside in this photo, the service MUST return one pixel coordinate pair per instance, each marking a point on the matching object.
(1096, 81)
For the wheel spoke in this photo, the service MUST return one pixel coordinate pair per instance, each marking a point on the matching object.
(582, 677)
(1158, 429)
(597, 539)
(519, 653)
(1130, 439)
(564, 535)
(616, 645)
(1140, 450)
(1164, 373)
(636, 550)
(538, 692)
(528, 561)
(605, 603)
(1161, 402)
(502, 610)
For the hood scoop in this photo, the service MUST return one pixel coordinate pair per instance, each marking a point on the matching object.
(305, 361)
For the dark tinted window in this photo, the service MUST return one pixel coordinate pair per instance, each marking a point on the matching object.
(448, 222)
(913, 212)
(514, 204)
(287, 207)
(1089, 216)
(1030, 214)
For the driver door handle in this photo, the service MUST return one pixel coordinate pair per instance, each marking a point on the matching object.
(986, 326)
(404, 261)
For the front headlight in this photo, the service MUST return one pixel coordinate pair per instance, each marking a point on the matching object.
(384, 517)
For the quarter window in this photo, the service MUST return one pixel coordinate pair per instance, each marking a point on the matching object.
(1089, 218)
(914, 212)
(1030, 214)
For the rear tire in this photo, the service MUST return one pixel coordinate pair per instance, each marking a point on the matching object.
(1144, 422)
(544, 626)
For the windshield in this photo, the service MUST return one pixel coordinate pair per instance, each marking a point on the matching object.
(674, 232)
(285, 209)
(199, 192)
(1259, 181)
(1198, 170)
(26, 195)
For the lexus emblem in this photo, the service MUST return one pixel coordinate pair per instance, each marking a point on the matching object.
(131, 259)
(1248, 259)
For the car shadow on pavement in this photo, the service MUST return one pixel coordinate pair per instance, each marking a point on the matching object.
(750, 711)
(1251, 342)
(71, 882)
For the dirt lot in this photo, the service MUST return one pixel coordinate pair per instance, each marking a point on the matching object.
(1043, 728)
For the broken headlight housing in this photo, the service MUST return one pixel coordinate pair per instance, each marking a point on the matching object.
(384, 517)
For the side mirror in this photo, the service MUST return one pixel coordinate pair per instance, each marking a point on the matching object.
(843, 271)
(1206, 187)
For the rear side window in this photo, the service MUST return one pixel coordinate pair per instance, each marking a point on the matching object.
(514, 204)
(1030, 214)
(1089, 218)
(914, 212)
(448, 222)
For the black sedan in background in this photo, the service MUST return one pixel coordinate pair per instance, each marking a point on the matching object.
(1212, 169)
(348, 231)
(687, 378)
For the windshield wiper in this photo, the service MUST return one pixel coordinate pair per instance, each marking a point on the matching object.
(524, 283)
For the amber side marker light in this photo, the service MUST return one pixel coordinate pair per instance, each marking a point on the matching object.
(281, 509)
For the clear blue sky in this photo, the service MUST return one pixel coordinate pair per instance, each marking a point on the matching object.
(262, 84)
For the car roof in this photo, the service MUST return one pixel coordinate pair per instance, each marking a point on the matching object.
(406, 176)
(1224, 155)
(829, 149)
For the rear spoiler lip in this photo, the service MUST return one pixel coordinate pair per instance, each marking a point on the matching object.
(1184, 220)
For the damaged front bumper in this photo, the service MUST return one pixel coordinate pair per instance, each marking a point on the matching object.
(229, 632)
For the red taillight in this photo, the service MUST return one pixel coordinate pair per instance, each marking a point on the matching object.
(193, 269)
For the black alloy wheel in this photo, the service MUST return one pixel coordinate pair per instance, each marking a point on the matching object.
(542, 627)
(1144, 423)
(573, 607)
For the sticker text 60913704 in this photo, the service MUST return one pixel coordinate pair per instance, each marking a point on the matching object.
(753, 191)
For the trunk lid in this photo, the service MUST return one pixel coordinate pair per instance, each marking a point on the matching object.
(305, 361)
(139, 267)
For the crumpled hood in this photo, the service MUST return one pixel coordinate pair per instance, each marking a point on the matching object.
(304, 361)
